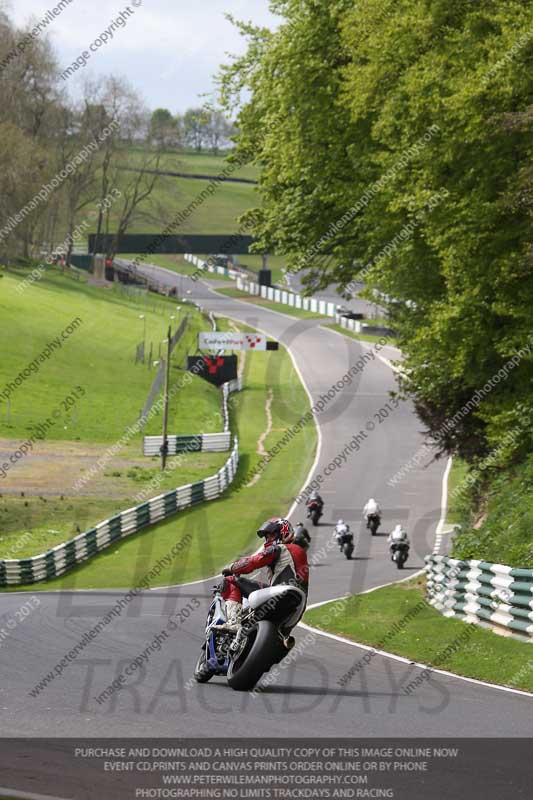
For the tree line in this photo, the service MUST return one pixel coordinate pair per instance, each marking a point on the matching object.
(199, 129)
(394, 139)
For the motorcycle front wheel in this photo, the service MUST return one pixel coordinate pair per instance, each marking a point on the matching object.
(260, 651)
(202, 673)
(348, 550)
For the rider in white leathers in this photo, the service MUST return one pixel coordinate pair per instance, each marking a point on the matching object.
(341, 528)
(371, 508)
(398, 536)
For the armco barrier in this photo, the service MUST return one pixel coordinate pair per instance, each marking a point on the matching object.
(55, 562)
(490, 595)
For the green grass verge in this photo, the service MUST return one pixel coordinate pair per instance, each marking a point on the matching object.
(279, 307)
(456, 506)
(223, 529)
(427, 636)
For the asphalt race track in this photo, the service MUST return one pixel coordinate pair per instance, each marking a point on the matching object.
(307, 700)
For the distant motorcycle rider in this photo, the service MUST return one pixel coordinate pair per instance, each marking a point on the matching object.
(341, 531)
(314, 499)
(301, 536)
(398, 538)
(371, 509)
(286, 561)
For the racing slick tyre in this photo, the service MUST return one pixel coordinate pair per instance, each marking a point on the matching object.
(260, 651)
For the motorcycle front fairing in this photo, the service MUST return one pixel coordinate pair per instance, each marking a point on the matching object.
(215, 617)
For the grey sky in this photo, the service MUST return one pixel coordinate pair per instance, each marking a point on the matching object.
(168, 50)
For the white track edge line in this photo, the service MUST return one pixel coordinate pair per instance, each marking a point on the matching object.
(404, 660)
(17, 794)
(368, 345)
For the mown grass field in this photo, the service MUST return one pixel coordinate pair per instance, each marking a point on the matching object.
(217, 214)
(200, 163)
(427, 637)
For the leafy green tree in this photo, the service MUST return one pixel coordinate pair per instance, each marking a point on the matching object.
(374, 119)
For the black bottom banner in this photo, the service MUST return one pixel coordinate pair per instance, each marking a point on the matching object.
(277, 769)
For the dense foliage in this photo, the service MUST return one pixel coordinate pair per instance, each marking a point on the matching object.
(394, 139)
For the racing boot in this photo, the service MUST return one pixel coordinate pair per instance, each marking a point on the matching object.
(233, 617)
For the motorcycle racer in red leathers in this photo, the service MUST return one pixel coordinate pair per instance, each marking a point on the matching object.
(286, 562)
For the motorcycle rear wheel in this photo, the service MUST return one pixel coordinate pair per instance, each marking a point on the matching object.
(260, 651)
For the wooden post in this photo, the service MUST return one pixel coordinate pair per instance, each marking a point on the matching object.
(164, 446)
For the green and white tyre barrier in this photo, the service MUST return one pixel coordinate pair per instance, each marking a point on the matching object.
(203, 265)
(287, 298)
(201, 443)
(490, 595)
(314, 304)
(197, 443)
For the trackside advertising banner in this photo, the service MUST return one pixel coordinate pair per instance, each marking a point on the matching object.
(231, 341)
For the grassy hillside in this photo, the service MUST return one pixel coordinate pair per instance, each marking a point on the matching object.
(40, 504)
(98, 356)
(200, 163)
(502, 510)
(217, 214)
